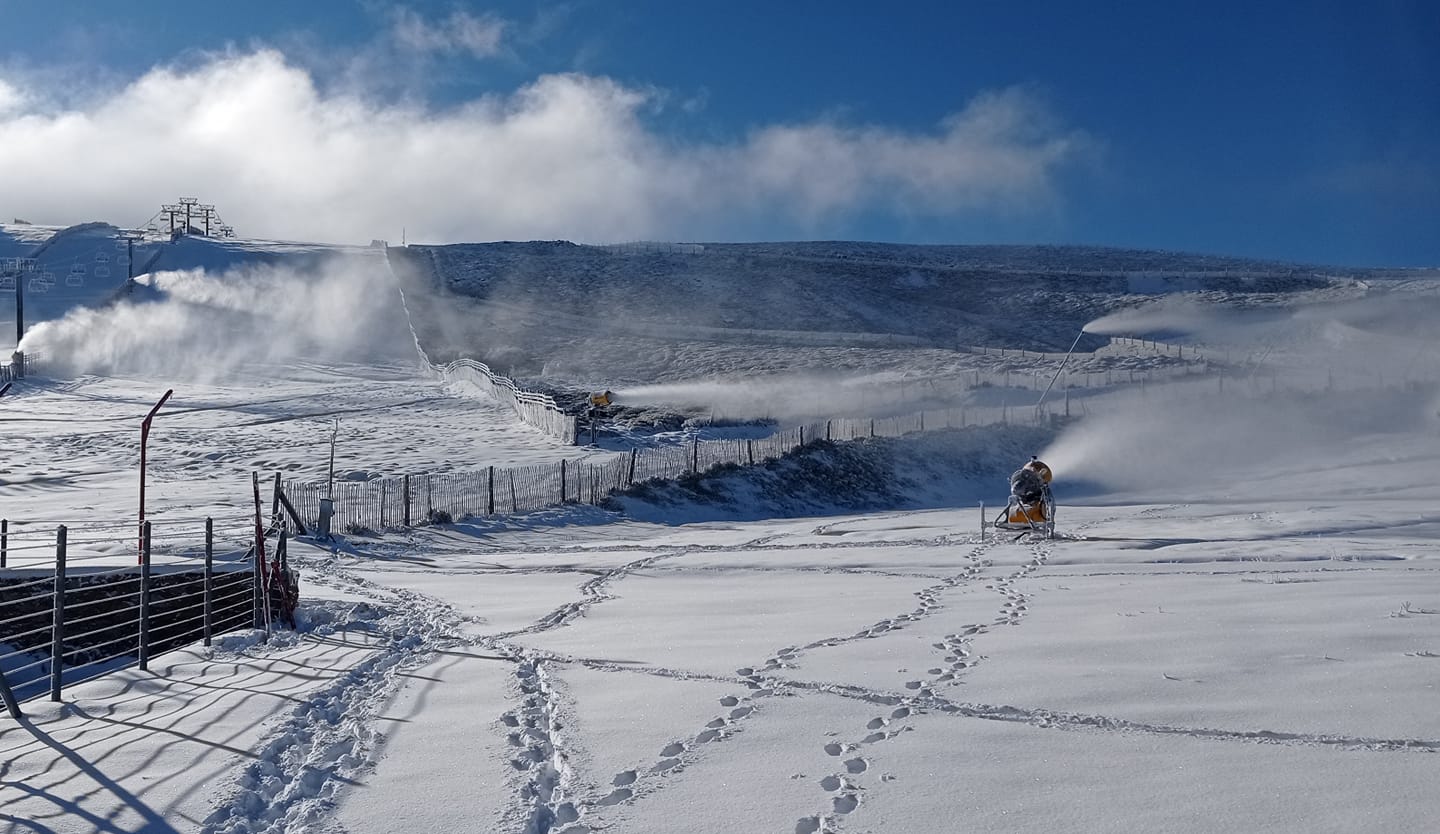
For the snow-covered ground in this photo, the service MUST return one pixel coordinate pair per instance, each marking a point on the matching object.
(1238, 628)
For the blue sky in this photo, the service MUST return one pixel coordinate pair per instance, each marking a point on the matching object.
(1306, 132)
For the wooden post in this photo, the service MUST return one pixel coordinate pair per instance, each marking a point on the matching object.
(209, 579)
(514, 502)
(630, 478)
(275, 503)
(57, 627)
(407, 500)
(695, 456)
(750, 451)
(145, 598)
(562, 480)
(827, 430)
(490, 501)
(802, 435)
(4, 540)
(290, 509)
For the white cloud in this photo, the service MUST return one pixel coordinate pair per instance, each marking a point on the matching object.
(10, 98)
(566, 156)
(480, 36)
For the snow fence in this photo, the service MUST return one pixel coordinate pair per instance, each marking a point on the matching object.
(362, 507)
(534, 409)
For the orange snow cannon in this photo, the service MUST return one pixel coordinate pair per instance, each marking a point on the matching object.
(1031, 507)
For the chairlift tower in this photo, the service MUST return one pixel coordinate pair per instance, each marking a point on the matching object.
(130, 238)
(180, 215)
(18, 269)
(189, 204)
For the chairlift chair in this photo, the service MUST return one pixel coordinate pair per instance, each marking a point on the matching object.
(75, 280)
(102, 272)
(38, 285)
(7, 282)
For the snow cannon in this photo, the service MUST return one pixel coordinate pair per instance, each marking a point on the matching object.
(1031, 507)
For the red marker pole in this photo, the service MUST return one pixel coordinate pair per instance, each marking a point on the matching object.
(144, 437)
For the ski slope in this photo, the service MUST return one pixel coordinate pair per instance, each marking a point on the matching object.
(1238, 628)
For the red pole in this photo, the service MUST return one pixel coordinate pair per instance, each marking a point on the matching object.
(144, 437)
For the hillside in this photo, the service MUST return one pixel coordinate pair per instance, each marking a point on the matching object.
(659, 313)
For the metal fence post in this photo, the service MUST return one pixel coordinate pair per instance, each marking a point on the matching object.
(255, 610)
(145, 598)
(209, 578)
(57, 630)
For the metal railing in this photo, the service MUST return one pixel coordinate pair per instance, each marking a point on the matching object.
(81, 615)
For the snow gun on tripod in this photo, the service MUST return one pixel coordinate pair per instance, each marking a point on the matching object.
(1031, 507)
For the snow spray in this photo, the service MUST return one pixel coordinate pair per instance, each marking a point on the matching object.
(198, 326)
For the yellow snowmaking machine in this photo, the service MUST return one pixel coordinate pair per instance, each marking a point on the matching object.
(1031, 507)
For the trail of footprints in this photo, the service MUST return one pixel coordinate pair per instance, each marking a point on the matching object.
(531, 728)
(929, 598)
(552, 812)
(843, 787)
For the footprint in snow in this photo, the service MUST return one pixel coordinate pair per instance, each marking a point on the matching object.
(856, 765)
(623, 778)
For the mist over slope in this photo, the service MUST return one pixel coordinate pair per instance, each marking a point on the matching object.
(666, 313)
